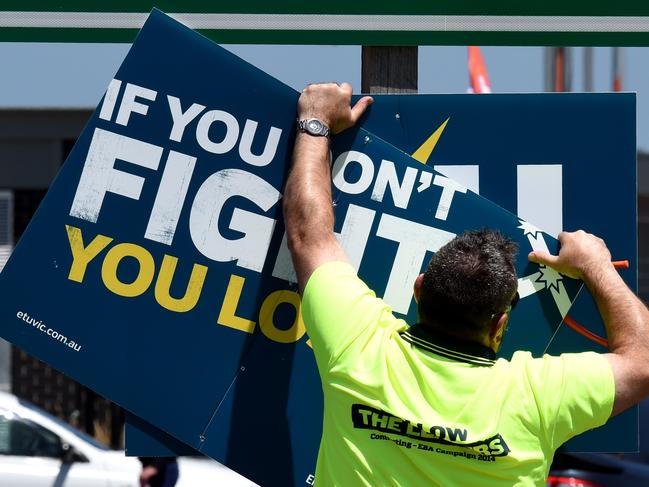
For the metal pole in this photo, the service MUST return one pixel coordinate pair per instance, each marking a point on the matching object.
(559, 69)
(588, 69)
(567, 68)
(548, 72)
(618, 66)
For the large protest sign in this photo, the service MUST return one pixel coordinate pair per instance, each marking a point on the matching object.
(155, 272)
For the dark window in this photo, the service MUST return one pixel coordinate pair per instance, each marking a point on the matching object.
(67, 145)
(21, 437)
(25, 203)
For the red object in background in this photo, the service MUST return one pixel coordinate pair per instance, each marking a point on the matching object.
(569, 482)
(478, 71)
(617, 69)
(617, 84)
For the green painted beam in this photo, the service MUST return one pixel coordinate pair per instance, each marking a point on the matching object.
(422, 7)
(362, 22)
(345, 38)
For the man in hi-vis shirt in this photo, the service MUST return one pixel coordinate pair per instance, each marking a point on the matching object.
(431, 405)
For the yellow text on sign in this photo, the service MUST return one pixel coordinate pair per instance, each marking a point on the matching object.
(85, 253)
(269, 305)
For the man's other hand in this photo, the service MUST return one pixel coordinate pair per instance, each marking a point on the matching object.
(330, 103)
(626, 318)
(147, 474)
(581, 254)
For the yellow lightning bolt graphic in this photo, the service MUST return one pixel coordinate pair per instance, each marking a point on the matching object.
(426, 149)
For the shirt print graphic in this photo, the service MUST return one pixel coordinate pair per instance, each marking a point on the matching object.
(409, 435)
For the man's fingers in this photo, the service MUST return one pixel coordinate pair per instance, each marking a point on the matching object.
(541, 257)
(359, 108)
(346, 87)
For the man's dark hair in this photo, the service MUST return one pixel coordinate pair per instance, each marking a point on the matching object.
(467, 282)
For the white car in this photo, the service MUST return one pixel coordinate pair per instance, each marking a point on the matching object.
(38, 450)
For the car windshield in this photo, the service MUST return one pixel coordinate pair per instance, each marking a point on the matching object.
(63, 424)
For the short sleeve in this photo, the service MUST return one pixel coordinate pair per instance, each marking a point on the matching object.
(337, 307)
(574, 393)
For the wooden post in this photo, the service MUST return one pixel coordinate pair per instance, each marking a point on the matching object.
(389, 69)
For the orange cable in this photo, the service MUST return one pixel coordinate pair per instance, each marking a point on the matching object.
(621, 264)
(585, 332)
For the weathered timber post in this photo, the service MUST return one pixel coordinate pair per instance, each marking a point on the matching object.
(389, 69)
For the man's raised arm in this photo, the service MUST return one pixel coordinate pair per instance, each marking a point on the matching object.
(308, 209)
(626, 318)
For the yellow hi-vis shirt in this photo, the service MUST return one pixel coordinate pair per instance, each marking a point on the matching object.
(403, 407)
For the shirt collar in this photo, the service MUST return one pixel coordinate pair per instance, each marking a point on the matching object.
(449, 347)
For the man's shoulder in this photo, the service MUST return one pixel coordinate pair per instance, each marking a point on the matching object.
(339, 309)
(519, 358)
(332, 273)
(552, 368)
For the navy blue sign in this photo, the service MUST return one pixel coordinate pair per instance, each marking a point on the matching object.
(156, 269)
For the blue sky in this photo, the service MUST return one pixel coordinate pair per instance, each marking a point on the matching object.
(76, 75)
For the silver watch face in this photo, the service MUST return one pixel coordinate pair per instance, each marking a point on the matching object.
(314, 126)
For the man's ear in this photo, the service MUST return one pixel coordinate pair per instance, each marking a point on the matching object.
(498, 326)
(417, 287)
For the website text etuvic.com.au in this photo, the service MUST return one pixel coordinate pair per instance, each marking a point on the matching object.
(42, 327)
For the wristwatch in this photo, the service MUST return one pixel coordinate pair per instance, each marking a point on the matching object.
(313, 126)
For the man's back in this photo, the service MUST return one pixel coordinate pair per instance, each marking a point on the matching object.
(468, 290)
(404, 406)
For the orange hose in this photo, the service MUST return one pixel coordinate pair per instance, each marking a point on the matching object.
(585, 332)
(621, 264)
